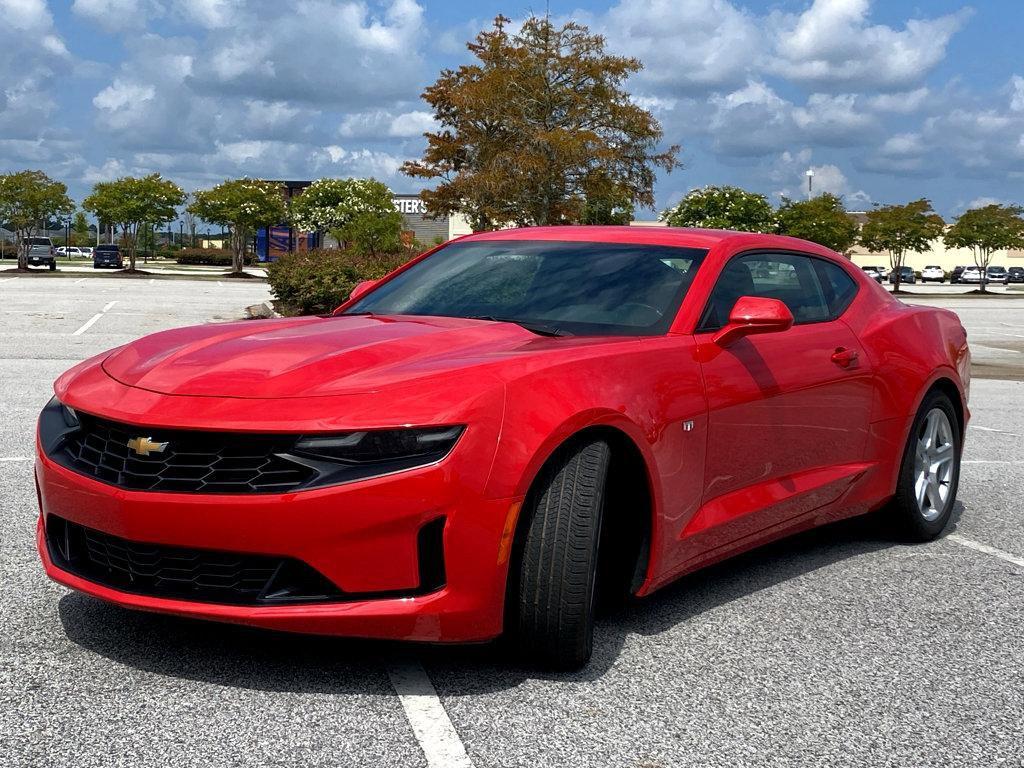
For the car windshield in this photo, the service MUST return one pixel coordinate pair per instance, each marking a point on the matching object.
(933, 267)
(549, 286)
(37, 241)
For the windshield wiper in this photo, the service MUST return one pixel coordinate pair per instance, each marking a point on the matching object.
(541, 329)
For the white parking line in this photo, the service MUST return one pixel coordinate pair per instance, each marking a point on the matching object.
(987, 549)
(15, 459)
(992, 461)
(429, 720)
(7, 280)
(992, 430)
(87, 325)
(80, 280)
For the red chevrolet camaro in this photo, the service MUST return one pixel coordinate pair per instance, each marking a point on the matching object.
(498, 431)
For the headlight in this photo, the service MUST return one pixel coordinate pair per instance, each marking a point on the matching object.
(381, 445)
(56, 422)
(345, 457)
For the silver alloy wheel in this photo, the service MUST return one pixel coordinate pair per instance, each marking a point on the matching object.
(934, 464)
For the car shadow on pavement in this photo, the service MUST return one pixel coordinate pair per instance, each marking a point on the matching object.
(265, 660)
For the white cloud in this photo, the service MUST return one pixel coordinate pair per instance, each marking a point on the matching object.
(414, 123)
(1017, 93)
(317, 52)
(32, 55)
(211, 14)
(900, 102)
(832, 43)
(685, 45)
(117, 15)
(834, 120)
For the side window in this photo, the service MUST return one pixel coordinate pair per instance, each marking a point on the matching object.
(790, 278)
(839, 287)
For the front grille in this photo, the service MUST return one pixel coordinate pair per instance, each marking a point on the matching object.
(185, 573)
(193, 461)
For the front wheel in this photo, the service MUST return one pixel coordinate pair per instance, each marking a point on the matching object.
(930, 472)
(553, 606)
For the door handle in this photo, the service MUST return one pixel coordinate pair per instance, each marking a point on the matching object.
(844, 358)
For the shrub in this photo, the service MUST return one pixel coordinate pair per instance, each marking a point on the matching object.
(315, 282)
(215, 257)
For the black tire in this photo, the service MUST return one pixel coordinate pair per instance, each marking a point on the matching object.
(904, 514)
(554, 598)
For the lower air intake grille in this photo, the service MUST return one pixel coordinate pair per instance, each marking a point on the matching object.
(185, 573)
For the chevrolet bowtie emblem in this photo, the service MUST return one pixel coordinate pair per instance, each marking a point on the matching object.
(145, 446)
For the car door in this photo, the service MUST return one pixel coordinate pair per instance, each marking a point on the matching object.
(788, 412)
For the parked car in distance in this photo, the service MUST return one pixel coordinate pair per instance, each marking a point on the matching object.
(107, 255)
(873, 272)
(954, 276)
(1015, 275)
(997, 274)
(907, 275)
(496, 432)
(933, 273)
(971, 274)
(41, 253)
(86, 251)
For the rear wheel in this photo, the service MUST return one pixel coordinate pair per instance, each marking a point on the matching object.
(53, 266)
(930, 472)
(554, 601)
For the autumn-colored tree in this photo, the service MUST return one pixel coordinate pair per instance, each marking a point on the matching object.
(130, 203)
(900, 229)
(243, 206)
(822, 219)
(722, 208)
(986, 230)
(27, 200)
(536, 126)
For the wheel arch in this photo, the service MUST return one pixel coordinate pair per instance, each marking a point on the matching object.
(630, 509)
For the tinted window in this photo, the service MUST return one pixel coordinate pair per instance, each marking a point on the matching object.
(38, 241)
(839, 288)
(792, 279)
(579, 288)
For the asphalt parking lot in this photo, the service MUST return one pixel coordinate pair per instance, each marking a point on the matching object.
(836, 647)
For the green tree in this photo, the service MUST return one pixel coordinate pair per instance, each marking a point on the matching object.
(130, 203)
(538, 124)
(27, 200)
(80, 234)
(722, 208)
(901, 229)
(986, 230)
(821, 220)
(361, 213)
(242, 206)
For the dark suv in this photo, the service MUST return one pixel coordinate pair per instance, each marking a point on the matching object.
(1015, 275)
(907, 275)
(107, 255)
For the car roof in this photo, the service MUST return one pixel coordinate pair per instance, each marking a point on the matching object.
(653, 236)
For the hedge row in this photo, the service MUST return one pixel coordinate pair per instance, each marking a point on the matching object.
(216, 257)
(315, 282)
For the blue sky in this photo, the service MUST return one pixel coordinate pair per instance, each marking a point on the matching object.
(887, 101)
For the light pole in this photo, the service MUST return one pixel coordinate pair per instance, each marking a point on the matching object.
(810, 182)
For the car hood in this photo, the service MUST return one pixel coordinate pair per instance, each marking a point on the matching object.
(303, 357)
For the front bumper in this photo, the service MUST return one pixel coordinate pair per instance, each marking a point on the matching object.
(361, 536)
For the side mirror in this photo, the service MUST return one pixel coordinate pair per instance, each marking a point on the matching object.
(754, 315)
(361, 288)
